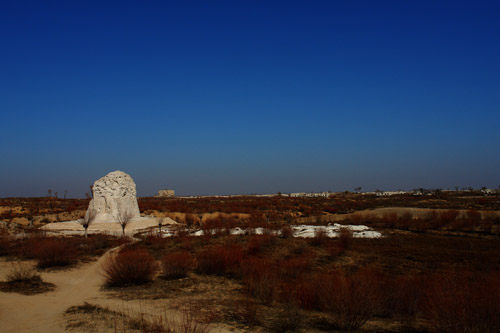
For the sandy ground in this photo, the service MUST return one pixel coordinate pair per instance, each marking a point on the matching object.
(46, 312)
(43, 313)
(111, 228)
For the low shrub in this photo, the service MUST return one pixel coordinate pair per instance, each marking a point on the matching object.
(286, 232)
(50, 252)
(258, 243)
(449, 216)
(25, 280)
(100, 242)
(292, 267)
(307, 293)
(219, 260)
(335, 249)
(129, 267)
(23, 273)
(320, 237)
(351, 299)
(464, 302)
(5, 246)
(261, 278)
(345, 238)
(176, 265)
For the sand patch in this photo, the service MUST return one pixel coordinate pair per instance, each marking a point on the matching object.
(112, 228)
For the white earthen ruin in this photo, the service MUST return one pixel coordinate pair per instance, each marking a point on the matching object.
(113, 194)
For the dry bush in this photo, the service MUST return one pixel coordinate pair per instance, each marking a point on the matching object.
(5, 246)
(405, 299)
(286, 232)
(219, 260)
(351, 299)
(320, 237)
(491, 217)
(25, 280)
(188, 323)
(258, 243)
(23, 273)
(155, 243)
(176, 265)
(99, 319)
(345, 238)
(50, 252)
(473, 216)
(129, 267)
(408, 295)
(307, 292)
(292, 267)
(260, 278)
(449, 216)
(218, 226)
(391, 220)
(464, 302)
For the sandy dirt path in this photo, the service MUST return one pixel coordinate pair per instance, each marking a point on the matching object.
(43, 313)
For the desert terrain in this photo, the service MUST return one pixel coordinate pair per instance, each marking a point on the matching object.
(426, 263)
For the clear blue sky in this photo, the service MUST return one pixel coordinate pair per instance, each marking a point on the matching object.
(221, 97)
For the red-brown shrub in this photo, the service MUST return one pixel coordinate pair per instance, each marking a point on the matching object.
(129, 267)
(335, 249)
(406, 296)
(260, 278)
(292, 267)
(154, 242)
(390, 220)
(5, 246)
(50, 252)
(345, 237)
(320, 237)
(307, 292)
(449, 216)
(259, 242)
(286, 232)
(351, 300)
(473, 216)
(176, 265)
(219, 259)
(464, 303)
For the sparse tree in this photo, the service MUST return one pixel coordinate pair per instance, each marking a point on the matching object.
(124, 218)
(88, 219)
(49, 191)
(56, 194)
(160, 221)
(65, 193)
(358, 189)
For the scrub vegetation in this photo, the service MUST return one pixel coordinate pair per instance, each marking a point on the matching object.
(435, 269)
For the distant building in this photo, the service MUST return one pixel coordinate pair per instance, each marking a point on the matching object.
(310, 195)
(166, 193)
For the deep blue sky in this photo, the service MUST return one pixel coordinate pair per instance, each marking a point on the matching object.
(221, 97)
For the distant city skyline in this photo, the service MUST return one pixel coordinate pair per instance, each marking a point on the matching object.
(249, 96)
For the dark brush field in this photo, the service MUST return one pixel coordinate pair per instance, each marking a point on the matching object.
(436, 269)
